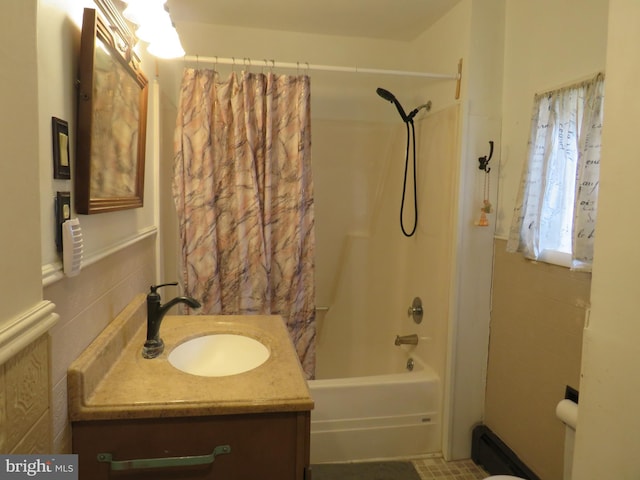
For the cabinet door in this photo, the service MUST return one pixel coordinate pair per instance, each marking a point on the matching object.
(265, 446)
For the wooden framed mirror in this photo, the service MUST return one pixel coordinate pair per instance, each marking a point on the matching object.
(112, 119)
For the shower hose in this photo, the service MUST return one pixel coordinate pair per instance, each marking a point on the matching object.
(404, 184)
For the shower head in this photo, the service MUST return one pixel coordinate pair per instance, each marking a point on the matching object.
(388, 96)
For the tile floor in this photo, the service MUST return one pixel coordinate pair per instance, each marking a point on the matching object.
(438, 469)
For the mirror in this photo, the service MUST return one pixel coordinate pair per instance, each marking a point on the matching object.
(112, 114)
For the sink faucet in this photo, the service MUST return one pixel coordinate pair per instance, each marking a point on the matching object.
(154, 345)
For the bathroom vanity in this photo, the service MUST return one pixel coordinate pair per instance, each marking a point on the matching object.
(143, 418)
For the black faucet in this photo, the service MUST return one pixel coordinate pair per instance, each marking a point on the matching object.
(154, 345)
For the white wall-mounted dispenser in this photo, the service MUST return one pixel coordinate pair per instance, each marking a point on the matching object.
(72, 247)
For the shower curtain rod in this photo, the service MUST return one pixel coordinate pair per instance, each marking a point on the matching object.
(247, 62)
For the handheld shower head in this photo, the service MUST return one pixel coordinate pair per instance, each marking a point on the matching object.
(387, 95)
(408, 120)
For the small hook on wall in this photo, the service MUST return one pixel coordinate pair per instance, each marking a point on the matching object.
(484, 161)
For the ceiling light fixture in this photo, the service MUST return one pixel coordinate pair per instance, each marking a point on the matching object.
(154, 27)
(167, 46)
(139, 10)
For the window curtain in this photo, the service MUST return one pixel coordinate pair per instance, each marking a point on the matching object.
(562, 169)
(244, 197)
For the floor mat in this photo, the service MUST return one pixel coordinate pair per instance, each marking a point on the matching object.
(365, 471)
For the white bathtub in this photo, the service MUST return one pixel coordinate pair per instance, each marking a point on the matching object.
(380, 416)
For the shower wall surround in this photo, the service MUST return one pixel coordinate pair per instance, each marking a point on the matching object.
(359, 171)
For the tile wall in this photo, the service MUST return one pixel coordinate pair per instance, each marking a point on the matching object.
(25, 417)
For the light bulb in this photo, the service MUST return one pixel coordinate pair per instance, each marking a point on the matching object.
(137, 10)
(167, 46)
(154, 26)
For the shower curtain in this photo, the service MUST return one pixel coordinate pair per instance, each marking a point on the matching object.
(244, 196)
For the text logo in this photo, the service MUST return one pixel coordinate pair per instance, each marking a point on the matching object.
(51, 467)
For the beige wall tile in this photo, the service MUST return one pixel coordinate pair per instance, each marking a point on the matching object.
(3, 411)
(535, 348)
(27, 389)
(86, 305)
(61, 427)
(26, 424)
(37, 439)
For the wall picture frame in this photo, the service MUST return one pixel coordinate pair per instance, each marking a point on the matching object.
(60, 149)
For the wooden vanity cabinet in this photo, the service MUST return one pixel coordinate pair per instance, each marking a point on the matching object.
(265, 446)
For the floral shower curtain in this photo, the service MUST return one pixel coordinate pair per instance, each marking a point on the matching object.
(244, 196)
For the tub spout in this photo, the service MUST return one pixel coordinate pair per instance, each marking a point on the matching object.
(407, 339)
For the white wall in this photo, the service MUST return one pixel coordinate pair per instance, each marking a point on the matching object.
(608, 423)
(20, 258)
(542, 51)
(119, 246)
(59, 25)
(474, 32)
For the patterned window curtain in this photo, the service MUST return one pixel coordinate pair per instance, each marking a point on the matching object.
(244, 196)
(563, 169)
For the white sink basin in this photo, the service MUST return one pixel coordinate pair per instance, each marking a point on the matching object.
(218, 355)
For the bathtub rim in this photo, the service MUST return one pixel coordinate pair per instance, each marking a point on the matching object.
(420, 372)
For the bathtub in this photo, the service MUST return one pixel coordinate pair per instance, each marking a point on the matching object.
(380, 416)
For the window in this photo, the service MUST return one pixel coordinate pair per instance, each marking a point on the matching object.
(557, 201)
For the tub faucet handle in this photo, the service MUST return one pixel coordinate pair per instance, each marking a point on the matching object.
(415, 310)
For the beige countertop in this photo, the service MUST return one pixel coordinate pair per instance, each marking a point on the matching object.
(111, 379)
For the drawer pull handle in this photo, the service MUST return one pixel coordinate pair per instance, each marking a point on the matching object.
(163, 462)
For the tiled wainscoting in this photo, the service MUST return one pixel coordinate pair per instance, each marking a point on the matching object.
(25, 422)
